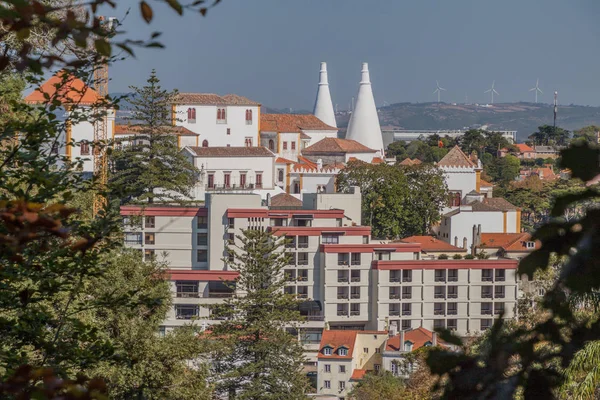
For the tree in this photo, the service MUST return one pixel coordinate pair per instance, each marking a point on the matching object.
(494, 141)
(397, 150)
(255, 357)
(587, 134)
(473, 140)
(381, 386)
(547, 135)
(151, 168)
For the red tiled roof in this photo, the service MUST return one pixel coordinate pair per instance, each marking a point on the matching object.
(419, 337)
(483, 183)
(407, 161)
(213, 99)
(545, 174)
(430, 243)
(285, 200)
(137, 129)
(377, 160)
(72, 91)
(231, 151)
(335, 145)
(358, 374)
(500, 203)
(341, 338)
(455, 158)
(293, 123)
(281, 160)
(507, 241)
(523, 148)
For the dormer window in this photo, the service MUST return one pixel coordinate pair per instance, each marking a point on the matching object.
(342, 351)
(408, 345)
(327, 350)
(530, 245)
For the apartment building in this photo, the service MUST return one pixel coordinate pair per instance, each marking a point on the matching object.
(348, 280)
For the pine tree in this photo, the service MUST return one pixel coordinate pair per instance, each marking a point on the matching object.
(152, 168)
(254, 356)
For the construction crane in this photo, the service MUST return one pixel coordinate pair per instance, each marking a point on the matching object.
(101, 125)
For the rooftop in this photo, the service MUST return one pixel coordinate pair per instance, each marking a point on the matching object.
(285, 200)
(523, 148)
(335, 145)
(500, 203)
(72, 91)
(456, 158)
(430, 243)
(293, 123)
(507, 241)
(231, 151)
(418, 337)
(210, 99)
(407, 161)
(342, 338)
(140, 129)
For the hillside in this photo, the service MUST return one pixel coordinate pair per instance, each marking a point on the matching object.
(522, 117)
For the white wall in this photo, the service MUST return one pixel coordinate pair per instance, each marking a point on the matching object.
(461, 225)
(310, 182)
(289, 138)
(460, 179)
(366, 157)
(316, 136)
(216, 133)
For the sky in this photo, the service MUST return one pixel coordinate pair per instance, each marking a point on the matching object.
(270, 50)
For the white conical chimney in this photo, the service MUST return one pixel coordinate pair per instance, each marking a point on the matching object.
(323, 104)
(364, 122)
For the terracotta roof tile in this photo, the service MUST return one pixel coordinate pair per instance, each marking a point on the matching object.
(293, 123)
(137, 129)
(341, 338)
(455, 158)
(335, 145)
(431, 243)
(479, 206)
(213, 99)
(419, 338)
(545, 174)
(358, 374)
(72, 91)
(407, 161)
(483, 183)
(231, 151)
(507, 241)
(281, 160)
(500, 203)
(523, 148)
(377, 160)
(285, 200)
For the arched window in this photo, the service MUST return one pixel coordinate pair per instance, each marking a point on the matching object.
(271, 145)
(205, 143)
(248, 117)
(280, 175)
(221, 117)
(191, 115)
(218, 114)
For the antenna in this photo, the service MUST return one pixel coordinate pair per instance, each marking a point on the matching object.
(555, 108)
(536, 89)
(492, 91)
(438, 90)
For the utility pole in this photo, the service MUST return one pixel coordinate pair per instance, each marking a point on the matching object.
(555, 108)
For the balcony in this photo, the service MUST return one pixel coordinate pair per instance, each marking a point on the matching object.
(453, 279)
(188, 294)
(355, 262)
(394, 279)
(395, 313)
(186, 316)
(343, 280)
(486, 312)
(302, 262)
(452, 312)
(453, 295)
(438, 312)
(355, 279)
(407, 295)
(355, 296)
(394, 295)
(486, 295)
(500, 279)
(439, 296)
(342, 313)
(486, 278)
(220, 295)
(406, 279)
(354, 313)
(342, 296)
(342, 262)
(229, 188)
(303, 245)
(406, 312)
(315, 318)
(499, 295)
(440, 279)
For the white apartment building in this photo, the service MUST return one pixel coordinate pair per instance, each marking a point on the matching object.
(220, 121)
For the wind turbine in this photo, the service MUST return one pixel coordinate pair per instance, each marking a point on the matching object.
(536, 89)
(492, 91)
(438, 90)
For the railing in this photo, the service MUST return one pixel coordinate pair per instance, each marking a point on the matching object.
(486, 312)
(453, 279)
(185, 316)
(406, 279)
(438, 312)
(302, 262)
(342, 262)
(302, 245)
(440, 279)
(499, 295)
(498, 311)
(355, 262)
(343, 279)
(439, 296)
(394, 296)
(355, 296)
(342, 313)
(290, 245)
(302, 278)
(452, 312)
(220, 295)
(486, 295)
(407, 295)
(315, 318)
(342, 296)
(500, 278)
(188, 294)
(406, 312)
(395, 313)
(133, 242)
(355, 279)
(354, 313)
(452, 295)
(486, 278)
(394, 279)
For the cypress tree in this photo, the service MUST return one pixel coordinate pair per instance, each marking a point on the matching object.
(151, 166)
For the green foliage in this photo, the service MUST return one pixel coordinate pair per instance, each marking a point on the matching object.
(469, 257)
(457, 257)
(473, 140)
(151, 167)
(443, 257)
(547, 135)
(381, 386)
(255, 357)
(397, 201)
(560, 340)
(587, 134)
(504, 170)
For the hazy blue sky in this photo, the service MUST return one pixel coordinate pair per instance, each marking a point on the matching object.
(269, 50)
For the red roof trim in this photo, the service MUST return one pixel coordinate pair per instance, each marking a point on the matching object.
(444, 264)
(188, 275)
(264, 213)
(370, 248)
(173, 211)
(317, 231)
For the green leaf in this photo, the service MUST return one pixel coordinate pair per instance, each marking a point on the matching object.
(175, 5)
(102, 47)
(582, 160)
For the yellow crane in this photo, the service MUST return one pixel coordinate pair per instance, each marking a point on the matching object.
(101, 125)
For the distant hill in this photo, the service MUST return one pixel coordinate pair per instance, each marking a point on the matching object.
(522, 117)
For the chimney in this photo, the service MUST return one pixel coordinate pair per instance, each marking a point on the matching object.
(455, 241)
(319, 164)
(364, 122)
(323, 104)
(434, 339)
(479, 229)
(464, 243)
(401, 340)
(393, 330)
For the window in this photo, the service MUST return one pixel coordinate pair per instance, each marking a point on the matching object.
(302, 275)
(486, 308)
(499, 292)
(202, 239)
(455, 198)
(133, 238)
(355, 292)
(343, 351)
(293, 145)
(365, 350)
(296, 187)
(498, 308)
(342, 309)
(365, 240)
(486, 292)
(342, 369)
(202, 222)
(342, 385)
(500, 275)
(271, 145)
(453, 275)
(406, 275)
(406, 308)
(248, 142)
(280, 175)
(228, 131)
(227, 179)
(486, 275)
(486, 324)
(205, 143)
(438, 324)
(394, 309)
(439, 308)
(148, 255)
(452, 308)
(440, 275)
(186, 311)
(377, 367)
(84, 147)
(451, 324)
(439, 292)
(149, 238)
(343, 259)
(202, 256)
(259, 180)
(231, 223)
(529, 245)
(278, 222)
(327, 367)
(395, 276)
(248, 117)
(285, 145)
(394, 293)
(355, 258)
(327, 384)
(191, 115)
(377, 350)
(406, 292)
(406, 324)
(242, 179)
(330, 239)
(354, 276)
(452, 292)
(221, 115)
(211, 181)
(327, 351)
(187, 289)
(149, 222)
(303, 292)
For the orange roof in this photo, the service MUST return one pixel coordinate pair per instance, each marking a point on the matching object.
(377, 160)
(431, 243)
(213, 99)
(341, 338)
(455, 158)
(408, 161)
(292, 123)
(335, 145)
(507, 241)
(281, 160)
(523, 148)
(419, 338)
(137, 129)
(72, 91)
(545, 174)
(358, 374)
(285, 200)
(483, 183)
